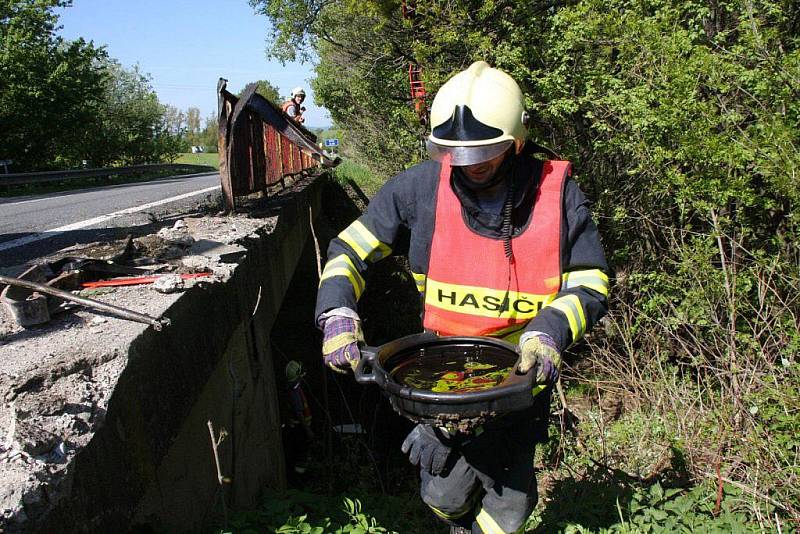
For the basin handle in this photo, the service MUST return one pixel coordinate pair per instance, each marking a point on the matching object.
(367, 360)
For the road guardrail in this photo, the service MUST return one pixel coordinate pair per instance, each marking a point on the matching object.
(26, 178)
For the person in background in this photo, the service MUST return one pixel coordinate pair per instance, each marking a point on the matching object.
(293, 107)
(502, 244)
(297, 428)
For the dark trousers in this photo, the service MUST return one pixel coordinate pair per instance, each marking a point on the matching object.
(491, 485)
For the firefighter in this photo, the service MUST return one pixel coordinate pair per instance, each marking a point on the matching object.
(297, 434)
(502, 244)
(293, 107)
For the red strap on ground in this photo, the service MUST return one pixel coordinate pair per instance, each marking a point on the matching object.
(138, 280)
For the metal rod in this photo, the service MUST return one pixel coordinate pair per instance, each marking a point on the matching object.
(116, 311)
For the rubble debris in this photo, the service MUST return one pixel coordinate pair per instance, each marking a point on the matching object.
(87, 268)
(95, 291)
(27, 307)
(113, 251)
(176, 235)
(229, 230)
(28, 310)
(169, 283)
(194, 264)
(27, 436)
(216, 251)
(159, 248)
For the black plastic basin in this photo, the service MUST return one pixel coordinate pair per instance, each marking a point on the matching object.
(498, 393)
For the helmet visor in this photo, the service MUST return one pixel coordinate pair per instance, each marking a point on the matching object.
(467, 155)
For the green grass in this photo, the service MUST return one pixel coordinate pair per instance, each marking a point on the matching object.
(367, 181)
(299, 512)
(205, 158)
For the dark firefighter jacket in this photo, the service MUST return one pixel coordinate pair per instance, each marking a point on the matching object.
(406, 203)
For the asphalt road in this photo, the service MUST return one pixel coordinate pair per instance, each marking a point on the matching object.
(34, 226)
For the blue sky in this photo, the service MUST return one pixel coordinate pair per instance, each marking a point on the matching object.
(186, 45)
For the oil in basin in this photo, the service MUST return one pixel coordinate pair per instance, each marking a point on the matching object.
(448, 381)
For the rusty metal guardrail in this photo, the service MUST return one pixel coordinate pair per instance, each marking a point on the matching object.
(27, 178)
(259, 146)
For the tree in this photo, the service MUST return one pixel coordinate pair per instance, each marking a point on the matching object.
(131, 124)
(175, 120)
(63, 102)
(268, 91)
(49, 87)
(192, 124)
(175, 124)
(209, 136)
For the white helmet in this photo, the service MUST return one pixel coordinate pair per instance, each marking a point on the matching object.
(298, 91)
(476, 116)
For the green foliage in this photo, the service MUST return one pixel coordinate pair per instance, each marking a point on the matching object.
(358, 77)
(613, 502)
(660, 510)
(268, 91)
(209, 138)
(349, 170)
(63, 102)
(49, 85)
(296, 512)
(129, 124)
(192, 130)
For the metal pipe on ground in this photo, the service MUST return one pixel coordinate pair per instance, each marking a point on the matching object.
(116, 311)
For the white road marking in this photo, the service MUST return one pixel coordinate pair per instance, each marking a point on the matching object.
(97, 220)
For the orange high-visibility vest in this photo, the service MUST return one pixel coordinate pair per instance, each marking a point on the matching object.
(290, 104)
(472, 288)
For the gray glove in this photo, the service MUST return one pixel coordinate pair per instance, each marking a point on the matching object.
(427, 450)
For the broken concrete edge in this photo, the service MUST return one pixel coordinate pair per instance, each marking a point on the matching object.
(152, 381)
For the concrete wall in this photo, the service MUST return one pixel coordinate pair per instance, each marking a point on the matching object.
(151, 463)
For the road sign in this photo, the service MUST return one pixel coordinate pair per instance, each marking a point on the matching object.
(331, 142)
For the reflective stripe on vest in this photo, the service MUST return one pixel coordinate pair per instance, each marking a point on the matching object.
(291, 104)
(471, 288)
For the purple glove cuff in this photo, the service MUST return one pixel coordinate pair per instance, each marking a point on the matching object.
(549, 371)
(340, 342)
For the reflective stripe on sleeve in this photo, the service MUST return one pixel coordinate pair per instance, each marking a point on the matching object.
(570, 306)
(342, 266)
(594, 279)
(488, 524)
(364, 243)
(419, 280)
(335, 343)
(455, 515)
